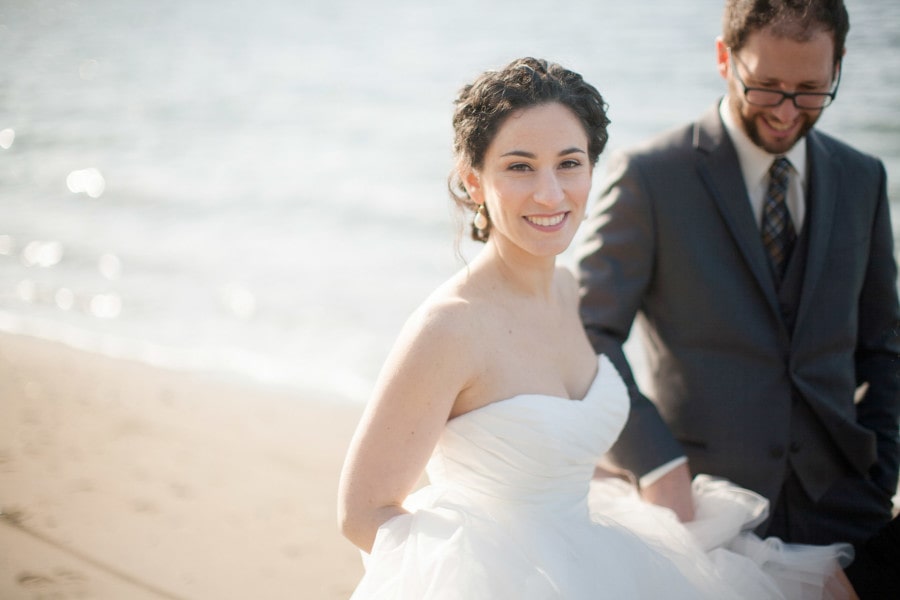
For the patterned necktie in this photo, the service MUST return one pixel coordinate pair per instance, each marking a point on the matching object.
(778, 233)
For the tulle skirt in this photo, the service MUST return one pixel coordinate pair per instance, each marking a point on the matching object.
(614, 545)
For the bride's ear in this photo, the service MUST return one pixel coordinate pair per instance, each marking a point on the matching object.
(472, 183)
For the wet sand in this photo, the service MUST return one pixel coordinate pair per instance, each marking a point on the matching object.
(119, 480)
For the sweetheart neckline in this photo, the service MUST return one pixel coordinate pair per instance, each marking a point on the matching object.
(601, 358)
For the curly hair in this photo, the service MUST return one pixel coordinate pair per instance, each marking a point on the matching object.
(483, 105)
(796, 19)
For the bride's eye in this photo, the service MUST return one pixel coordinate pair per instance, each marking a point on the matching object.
(519, 167)
(570, 164)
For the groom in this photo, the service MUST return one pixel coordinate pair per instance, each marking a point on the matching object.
(757, 254)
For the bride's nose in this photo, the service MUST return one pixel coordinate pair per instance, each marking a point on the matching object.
(549, 190)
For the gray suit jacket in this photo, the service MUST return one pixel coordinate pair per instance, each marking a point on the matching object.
(734, 386)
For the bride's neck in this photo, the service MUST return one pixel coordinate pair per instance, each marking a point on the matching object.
(522, 273)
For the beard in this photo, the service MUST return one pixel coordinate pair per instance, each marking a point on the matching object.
(750, 124)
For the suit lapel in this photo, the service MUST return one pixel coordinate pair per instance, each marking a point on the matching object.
(718, 167)
(821, 199)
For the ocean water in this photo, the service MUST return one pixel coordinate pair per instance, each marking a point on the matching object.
(258, 188)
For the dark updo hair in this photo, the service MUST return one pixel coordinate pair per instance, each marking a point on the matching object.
(483, 106)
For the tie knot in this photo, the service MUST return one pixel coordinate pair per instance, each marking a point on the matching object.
(780, 168)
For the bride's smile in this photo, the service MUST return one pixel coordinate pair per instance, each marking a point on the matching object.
(547, 223)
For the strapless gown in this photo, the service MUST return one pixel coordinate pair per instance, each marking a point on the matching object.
(513, 511)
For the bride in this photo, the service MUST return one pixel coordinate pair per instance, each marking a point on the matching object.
(494, 388)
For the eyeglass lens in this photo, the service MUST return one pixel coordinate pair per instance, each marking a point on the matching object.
(772, 98)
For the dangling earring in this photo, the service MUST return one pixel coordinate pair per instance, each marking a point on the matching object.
(481, 220)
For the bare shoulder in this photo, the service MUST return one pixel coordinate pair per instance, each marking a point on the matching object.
(440, 336)
(439, 321)
(567, 285)
(446, 314)
(566, 277)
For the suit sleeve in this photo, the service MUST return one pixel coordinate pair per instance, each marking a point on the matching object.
(615, 264)
(878, 346)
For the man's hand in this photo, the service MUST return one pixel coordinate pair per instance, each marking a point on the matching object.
(673, 490)
(837, 586)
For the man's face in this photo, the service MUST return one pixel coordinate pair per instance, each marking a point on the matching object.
(778, 63)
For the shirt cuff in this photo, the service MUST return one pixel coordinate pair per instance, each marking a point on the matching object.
(653, 476)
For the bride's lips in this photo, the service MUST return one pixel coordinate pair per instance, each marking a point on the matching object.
(548, 222)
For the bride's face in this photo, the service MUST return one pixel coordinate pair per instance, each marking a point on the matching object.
(535, 179)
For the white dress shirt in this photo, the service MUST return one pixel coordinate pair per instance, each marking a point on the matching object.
(755, 163)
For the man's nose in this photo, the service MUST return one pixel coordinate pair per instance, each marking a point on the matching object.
(786, 111)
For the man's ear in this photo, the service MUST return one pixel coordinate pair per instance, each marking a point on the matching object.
(722, 61)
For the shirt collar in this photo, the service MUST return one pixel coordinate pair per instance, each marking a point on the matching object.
(755, 161)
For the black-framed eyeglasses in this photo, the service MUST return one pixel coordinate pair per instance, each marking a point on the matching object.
(769, 98)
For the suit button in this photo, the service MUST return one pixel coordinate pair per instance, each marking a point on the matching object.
(795, 447)
(776, 451)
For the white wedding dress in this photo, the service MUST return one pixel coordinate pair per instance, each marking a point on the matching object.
(512, 512)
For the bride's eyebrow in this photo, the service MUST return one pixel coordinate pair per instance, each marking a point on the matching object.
(521, 153)
(572, 150)
(526, 154)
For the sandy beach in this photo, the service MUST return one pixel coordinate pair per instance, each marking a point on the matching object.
(119, 480)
